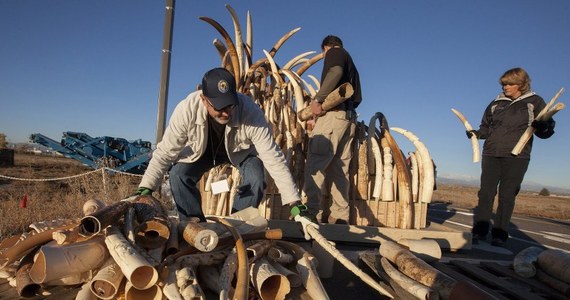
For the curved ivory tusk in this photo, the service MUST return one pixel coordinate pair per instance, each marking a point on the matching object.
(311, 62)
(85, 293)
(315, 81)
(295, 59)
(312, 91)
(428, 179)
(376, 153)
(230, 45)
(474, 140)
(542, 116)
(238, 38)
(403, 179)
(415, 176)
(387, 186)
(221, 48)
(274, 69)
(282, 40)
(418, 290)
(249, 35)
(299, 99)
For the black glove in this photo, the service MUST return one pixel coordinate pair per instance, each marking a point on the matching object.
(301, 215)
(472, 132)
(541, 126)
(142, 191)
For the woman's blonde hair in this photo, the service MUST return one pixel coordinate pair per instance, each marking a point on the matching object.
(516, 76)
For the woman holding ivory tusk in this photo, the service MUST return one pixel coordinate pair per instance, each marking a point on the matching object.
(503, 123)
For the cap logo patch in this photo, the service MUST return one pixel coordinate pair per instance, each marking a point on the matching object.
(223, 86)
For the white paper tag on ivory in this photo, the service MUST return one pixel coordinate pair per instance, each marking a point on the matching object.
(220, 186)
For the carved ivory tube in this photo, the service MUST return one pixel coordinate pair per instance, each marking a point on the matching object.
(269, 283)
(201, 238)
(134, 266)
(307, 270)
(106, 282)
(92, 205)
(85, 293)
(55, 262)
(28, 241)
(293, 277)
(336, 97)
(24, 285)
(154, 292)
(94, 223)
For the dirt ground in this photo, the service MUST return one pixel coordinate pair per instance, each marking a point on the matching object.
(56, 187)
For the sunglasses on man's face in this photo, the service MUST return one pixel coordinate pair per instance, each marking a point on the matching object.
(226, 109)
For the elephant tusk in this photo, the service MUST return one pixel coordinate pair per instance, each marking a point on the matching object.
(295, 59)
(231, 47)
(311, 62)
(238, 38)
(274, 69)
(428, 179)
(527, 134)
(474, 140)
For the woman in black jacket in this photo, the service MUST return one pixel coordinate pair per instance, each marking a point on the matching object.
(503, 123)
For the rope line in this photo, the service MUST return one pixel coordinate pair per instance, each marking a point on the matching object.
(68, 177)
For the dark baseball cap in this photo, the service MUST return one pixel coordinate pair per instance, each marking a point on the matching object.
(219, 86)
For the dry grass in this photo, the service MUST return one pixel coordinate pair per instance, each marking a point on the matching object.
(63, 199)
(54, 199)
(527, 203)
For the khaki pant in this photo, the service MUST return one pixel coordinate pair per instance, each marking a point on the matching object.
(328, 160)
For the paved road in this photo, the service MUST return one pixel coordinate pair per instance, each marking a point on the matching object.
(524, 232)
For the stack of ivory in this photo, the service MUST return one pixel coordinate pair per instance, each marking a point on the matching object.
(551, 266)
(129, 249)
(388, 188)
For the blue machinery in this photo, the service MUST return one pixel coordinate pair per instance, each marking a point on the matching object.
(115, 153)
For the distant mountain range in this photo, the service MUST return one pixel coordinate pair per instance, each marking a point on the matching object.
(526, 186)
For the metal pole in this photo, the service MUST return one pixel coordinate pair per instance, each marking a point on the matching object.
(165, 69)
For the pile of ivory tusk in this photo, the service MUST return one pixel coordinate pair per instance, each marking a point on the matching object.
(550, 266)
(406, 264)
(388, 189)
(131, 250)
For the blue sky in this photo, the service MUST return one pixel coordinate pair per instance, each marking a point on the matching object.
(94, 66)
